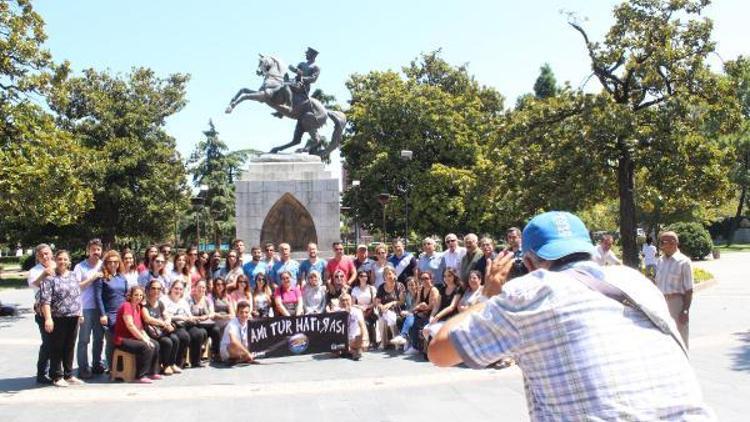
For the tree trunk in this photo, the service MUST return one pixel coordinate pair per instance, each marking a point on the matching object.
(625, 185)
(737, 216)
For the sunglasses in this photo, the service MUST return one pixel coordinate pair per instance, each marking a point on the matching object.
(156, 288)
(159, 261)
(113, 262)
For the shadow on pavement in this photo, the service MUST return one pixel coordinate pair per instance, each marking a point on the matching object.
(741, 354)
(16, 385)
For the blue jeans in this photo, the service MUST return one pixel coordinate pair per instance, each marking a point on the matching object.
(91, 325)
(408, 322)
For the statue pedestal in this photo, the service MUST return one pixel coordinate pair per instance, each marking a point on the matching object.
(287, 198)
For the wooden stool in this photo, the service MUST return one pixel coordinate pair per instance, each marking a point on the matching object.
(123, 366)
(205, 351)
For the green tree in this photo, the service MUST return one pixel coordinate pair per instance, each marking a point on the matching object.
(545, 85)
(140, 186)
(40, 165)
(658, 98)
(738, 142)
(213, 170)
(445, 117)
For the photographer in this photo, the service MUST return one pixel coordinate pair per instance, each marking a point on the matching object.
(513, 246)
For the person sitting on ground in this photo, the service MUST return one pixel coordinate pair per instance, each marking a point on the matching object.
(132, 338)
(357, 331)
(202, 310)
(388, 301)
(363, 294)
(60, 300)
(473, 293)
(407, 313)
(262, 298)
(585, 353)
(172, 343)
(335, 289)
(177, 309)
(288, 297)
(234, 343)
(314, 293)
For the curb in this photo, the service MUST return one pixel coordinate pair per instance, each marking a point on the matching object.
(705, 285)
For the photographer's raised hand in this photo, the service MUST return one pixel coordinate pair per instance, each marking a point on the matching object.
(498, 273)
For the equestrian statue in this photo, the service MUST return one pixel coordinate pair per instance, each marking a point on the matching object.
(291, 98)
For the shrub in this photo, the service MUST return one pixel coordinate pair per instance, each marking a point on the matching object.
(695, 241)
(28, 261)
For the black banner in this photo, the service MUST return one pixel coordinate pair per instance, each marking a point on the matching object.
(286, 336)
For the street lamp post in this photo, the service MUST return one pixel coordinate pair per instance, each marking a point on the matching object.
(383, 198)
(406, 155)
(355, 184)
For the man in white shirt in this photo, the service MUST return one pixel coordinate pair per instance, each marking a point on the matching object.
(453, 254)
(429, 261)
(674, 277)
(603, 255)
(44, 268)
(86, 272)
(234, 346)
(649, 257)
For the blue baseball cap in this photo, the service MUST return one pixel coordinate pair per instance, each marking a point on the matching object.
(556, 234)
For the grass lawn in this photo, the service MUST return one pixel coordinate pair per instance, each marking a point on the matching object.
(743, 247)
(12, 282)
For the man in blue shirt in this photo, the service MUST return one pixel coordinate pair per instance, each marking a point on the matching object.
(311, 263)
(254, 266)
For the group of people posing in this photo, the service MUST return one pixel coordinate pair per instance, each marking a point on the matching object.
(164, 307)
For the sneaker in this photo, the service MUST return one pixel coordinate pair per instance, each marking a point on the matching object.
(43, 379)
(74, 381)
(167, 371)
(411, 351)
(155, 377)
(398, 340)
(60, 383)
(176, 369)
(144, 380)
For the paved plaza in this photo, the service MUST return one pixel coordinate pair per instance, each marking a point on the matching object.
(381, 387)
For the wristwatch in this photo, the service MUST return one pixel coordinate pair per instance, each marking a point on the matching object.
(684, 311)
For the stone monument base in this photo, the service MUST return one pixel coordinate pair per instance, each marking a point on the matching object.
(287, 198)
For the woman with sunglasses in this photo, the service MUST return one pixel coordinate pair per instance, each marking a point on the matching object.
(60, 302)
(223, 304)
(172, 343)
(241, 292)
(177, 310)
(335, 290)
(314, 293)
(288, 297)
(130, 336)
(388, 303)
(232, 269)
(262, 298)
(363, 295)
(110, 292)
(381, 261)
(156, 270)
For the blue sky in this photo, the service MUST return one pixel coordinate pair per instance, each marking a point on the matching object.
(504, 42)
